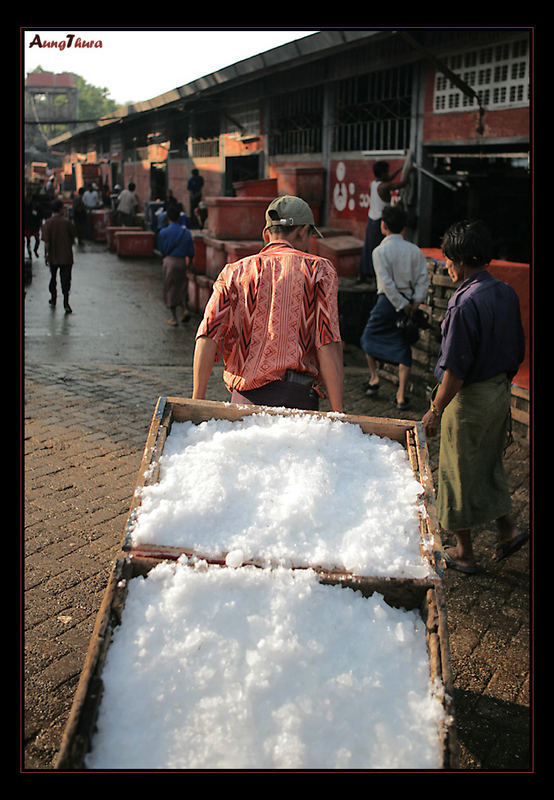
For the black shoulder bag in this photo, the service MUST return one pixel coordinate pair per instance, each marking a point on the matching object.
(410, 326)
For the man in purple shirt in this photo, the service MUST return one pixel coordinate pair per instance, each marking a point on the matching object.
(478, 342)
(481, 350)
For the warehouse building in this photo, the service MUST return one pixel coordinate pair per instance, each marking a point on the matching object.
(314, 115)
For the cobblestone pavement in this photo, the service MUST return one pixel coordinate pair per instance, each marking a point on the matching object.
(91, 381)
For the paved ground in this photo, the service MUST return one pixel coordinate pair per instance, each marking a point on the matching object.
(91, 381)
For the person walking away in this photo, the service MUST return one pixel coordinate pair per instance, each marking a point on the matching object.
(80, 216)
(91, 201)
(58, 234)
(402, 283)
(195, 185)
(32, 220)
(380, 194)
(177, 247)
(162, 217)
(482, 346)
(127, 205)
(275, 317)
(50, 189)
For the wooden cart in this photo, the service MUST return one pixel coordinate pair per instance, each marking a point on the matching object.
(426, 595)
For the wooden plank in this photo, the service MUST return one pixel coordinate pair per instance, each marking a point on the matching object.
(197, 411)
(520, 416)
(150, 462)
(434, 540)
(519, 391)
(434, 613)
(443, 280)
(79, 729)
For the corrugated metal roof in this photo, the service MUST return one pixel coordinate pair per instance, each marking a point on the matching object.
(314, 46)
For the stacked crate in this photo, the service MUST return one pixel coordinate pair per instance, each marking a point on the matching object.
(112, 230)
(100, 219)
(233, 230)
(343, 251)
(130, 242)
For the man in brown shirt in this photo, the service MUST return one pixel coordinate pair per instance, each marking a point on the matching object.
(58, 234)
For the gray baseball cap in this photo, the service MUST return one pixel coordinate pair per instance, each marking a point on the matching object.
(290, 210)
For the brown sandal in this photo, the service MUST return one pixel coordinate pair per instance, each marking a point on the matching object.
(452, 563)
(505, 549)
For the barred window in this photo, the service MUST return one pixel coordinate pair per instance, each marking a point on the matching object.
(296, 120)
(499, 75)
(205, 148)
(373, 111)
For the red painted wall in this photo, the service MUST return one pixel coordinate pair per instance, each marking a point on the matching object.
(349, 183)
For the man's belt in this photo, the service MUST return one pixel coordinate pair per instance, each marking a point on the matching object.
(303, 378)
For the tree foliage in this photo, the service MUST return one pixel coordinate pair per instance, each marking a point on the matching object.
(93, 103)
(93, 100)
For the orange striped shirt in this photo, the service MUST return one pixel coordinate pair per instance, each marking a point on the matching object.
(271, 312)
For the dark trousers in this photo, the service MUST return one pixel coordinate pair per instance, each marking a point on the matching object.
(279, 393)
(373, 238)
(65, 280)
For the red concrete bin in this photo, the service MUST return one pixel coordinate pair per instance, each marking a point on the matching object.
(236, 217)
(237, 250)
(111, 230)
(204, 286)
(100, 220)
(262, 187)
(305, 182)
(343, 252)
(134, 243)
(327, 233)
(199, 261)
(216, 257)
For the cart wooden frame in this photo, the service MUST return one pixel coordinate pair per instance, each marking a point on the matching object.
(424, 594)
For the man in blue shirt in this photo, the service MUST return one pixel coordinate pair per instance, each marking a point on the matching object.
(162, 215)
(177, 247)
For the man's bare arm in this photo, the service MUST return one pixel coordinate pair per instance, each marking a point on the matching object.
(331, 367)
(203, 361)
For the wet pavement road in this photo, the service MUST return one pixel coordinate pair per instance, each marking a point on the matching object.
(118, 314)
(92, 379)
